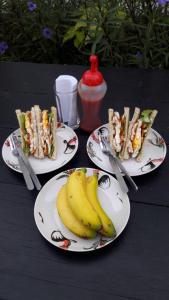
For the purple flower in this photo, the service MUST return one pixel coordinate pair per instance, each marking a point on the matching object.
(47, 33)
(31, 6)
(162, 2)
(139, 55)
(3, 47)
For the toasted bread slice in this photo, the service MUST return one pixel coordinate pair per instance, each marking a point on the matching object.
(131, 123)
(21, 120)
(152, 118)
(125, 129)
(53, 131)
(35, 133)
(111, 127)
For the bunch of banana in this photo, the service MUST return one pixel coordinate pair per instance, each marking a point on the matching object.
(79, 207)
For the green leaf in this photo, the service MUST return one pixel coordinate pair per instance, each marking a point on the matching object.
(80, 36)
(121, 14)
(26, 149)
(145, 115)
(81, 23)
(70, 34)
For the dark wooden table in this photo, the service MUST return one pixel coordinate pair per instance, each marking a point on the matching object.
(136, 265)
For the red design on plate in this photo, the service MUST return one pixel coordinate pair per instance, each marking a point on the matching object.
(70, 171)
(161, 141)
(58, 125)
(102, 242)
(61, 240)
(73, 140)
(7, 143)
(157, 160)
(66, 244)
(96, 171)
(95, 138)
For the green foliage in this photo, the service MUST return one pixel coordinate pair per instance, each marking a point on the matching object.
(122, 33)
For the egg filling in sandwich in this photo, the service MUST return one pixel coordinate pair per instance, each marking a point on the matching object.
(131, 143)
(38, 131)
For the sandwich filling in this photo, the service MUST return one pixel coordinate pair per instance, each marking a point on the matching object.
(118, 131)
(138, 133)
(136, 139)
(37, 128)
(29, 136)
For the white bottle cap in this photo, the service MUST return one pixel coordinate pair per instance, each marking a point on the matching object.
(65, 84)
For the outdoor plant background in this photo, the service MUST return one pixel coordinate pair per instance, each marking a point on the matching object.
(122, 33)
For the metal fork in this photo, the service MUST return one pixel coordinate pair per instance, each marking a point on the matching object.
(23, 167)
(105, 149)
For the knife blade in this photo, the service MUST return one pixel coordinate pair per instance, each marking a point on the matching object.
(123, 169)
(26, 161)
(26, 174)
(118, 174)
(23, 168)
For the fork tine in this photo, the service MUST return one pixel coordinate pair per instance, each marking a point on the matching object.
(100, 141)
(11, 143)
(104, 140)
(102, 145)
(102, 137)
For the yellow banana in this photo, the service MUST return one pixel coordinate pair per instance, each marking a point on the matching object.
(78, 201)
(108, 228)
(69, 219)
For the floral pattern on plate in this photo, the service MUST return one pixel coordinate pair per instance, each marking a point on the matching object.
(153, 155)
(67, 145)
(114, 202)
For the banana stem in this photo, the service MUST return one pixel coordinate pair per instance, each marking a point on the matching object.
(83, 170)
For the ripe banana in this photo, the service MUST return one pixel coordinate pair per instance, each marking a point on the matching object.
(78, 201)
(108, 228)
(69, 219)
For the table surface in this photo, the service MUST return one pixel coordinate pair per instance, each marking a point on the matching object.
(136, 265)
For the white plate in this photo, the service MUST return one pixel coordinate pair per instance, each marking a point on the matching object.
(114, 202)
(154, 153)
(67, 145)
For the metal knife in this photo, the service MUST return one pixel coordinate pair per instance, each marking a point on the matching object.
(25, 172)
(26, 161)
(118, 174)
(122, 168)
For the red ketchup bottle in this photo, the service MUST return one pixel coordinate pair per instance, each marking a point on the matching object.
(92, 88)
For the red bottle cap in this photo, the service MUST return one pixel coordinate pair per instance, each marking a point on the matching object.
(92, 77)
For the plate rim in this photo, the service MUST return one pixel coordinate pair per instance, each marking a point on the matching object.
(135, 175)
(43, 172)
(83, 250)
